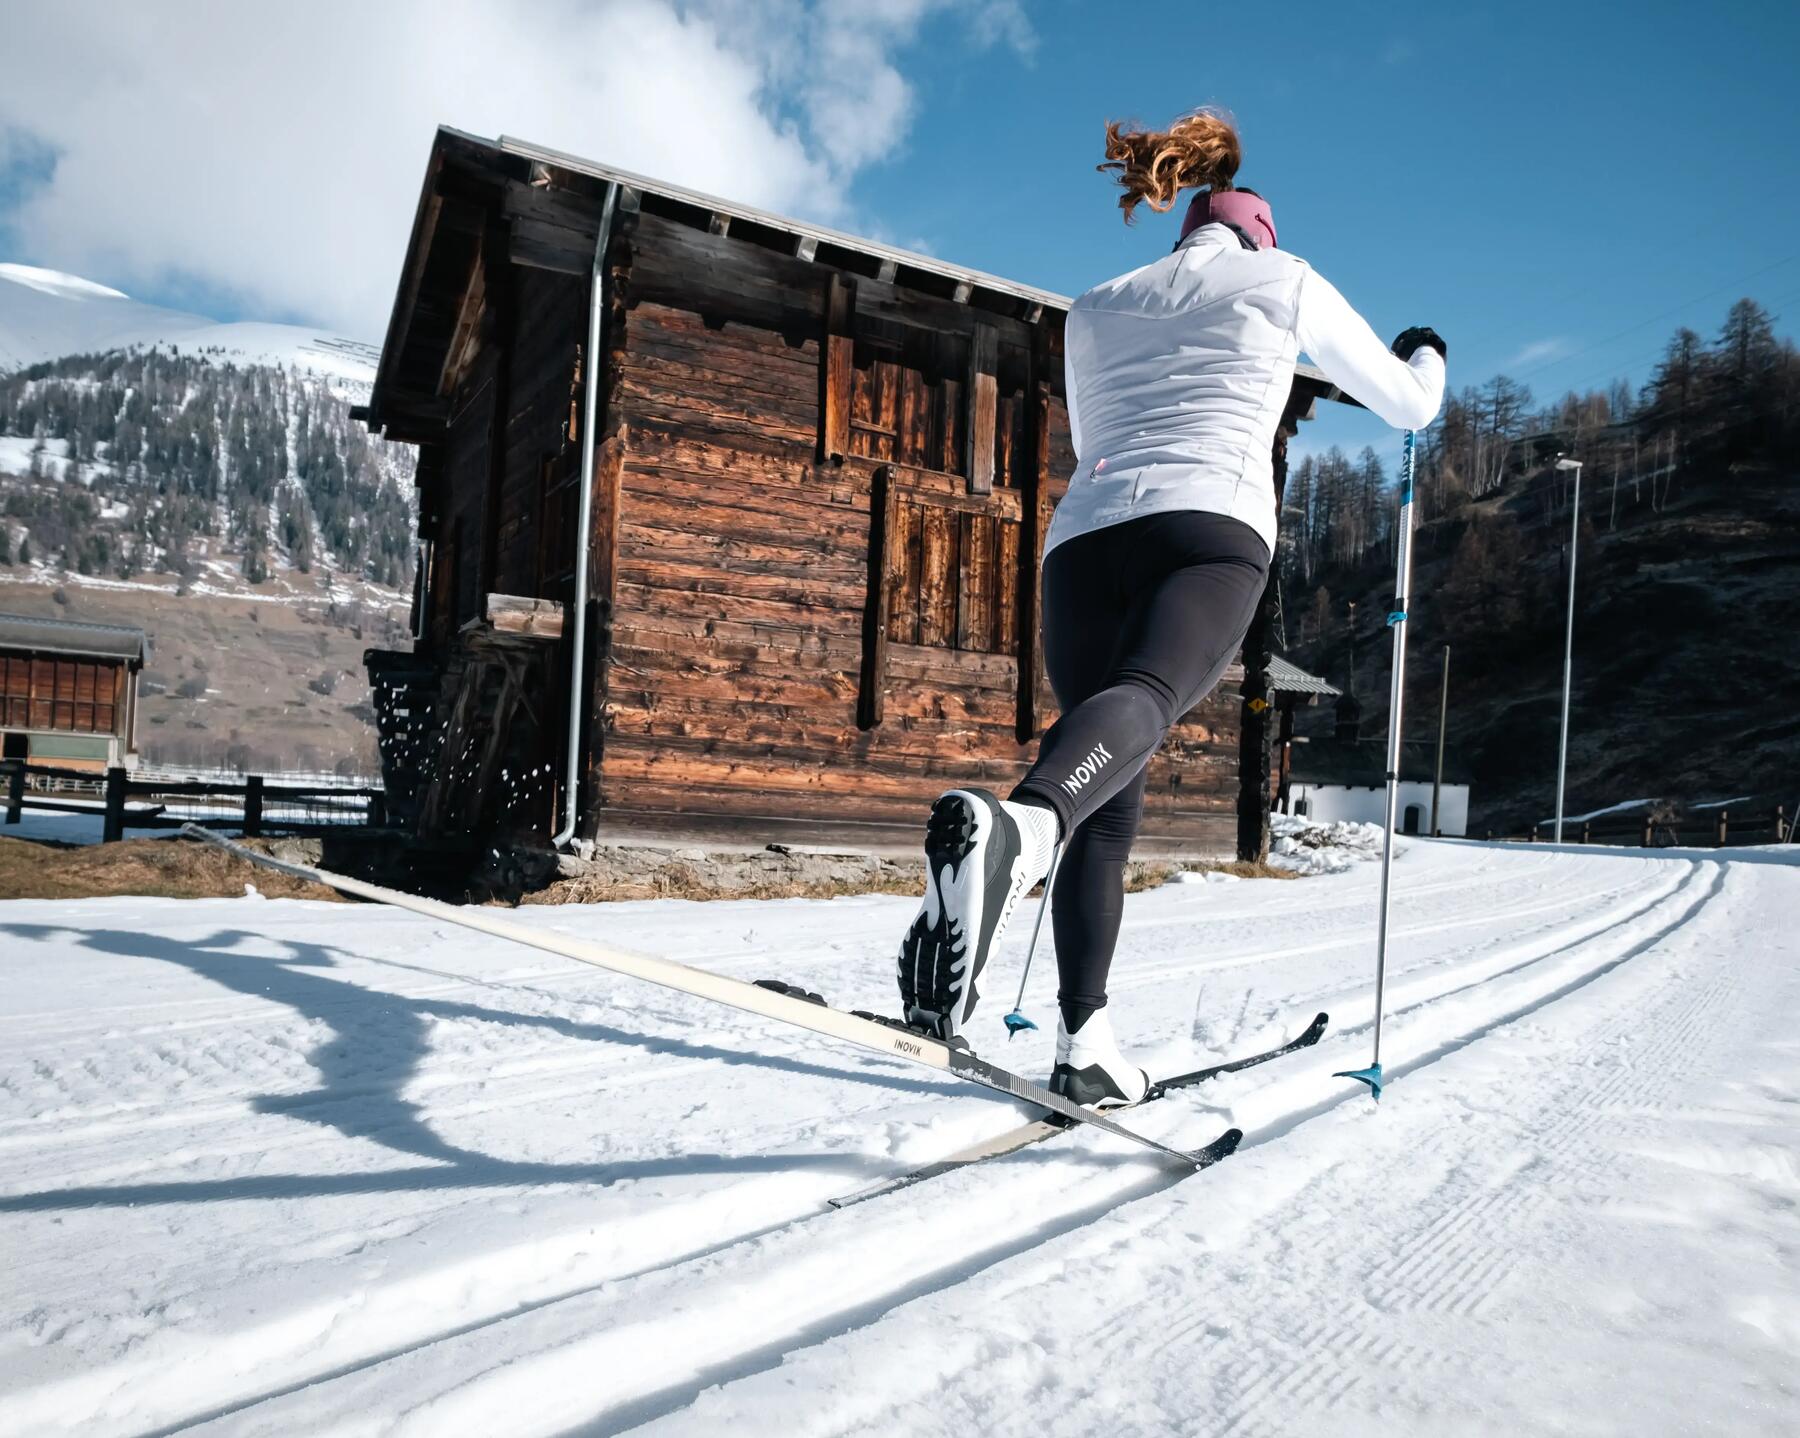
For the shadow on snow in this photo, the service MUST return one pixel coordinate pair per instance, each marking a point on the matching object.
(375, 1046)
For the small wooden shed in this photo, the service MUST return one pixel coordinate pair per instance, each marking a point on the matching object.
(821, 473)
(69, 692)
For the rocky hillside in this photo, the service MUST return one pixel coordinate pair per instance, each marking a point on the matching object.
(1686, 673)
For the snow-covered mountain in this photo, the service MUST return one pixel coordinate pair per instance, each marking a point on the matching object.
(46, 314)
(140, 440)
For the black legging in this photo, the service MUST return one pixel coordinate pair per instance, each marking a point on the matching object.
(1141, 620)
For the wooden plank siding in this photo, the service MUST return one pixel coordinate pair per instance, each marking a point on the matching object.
(64, 695)
(820, 572)
(541, 444)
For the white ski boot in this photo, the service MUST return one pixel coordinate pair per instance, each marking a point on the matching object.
(979, 862)
(1091, 1070)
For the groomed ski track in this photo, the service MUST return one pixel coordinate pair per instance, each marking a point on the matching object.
(282, 1167)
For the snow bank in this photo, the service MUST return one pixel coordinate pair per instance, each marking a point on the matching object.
(1312, 848)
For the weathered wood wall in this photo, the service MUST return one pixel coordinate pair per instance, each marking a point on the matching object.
(68, 695)
(502, 495)
(776, 422)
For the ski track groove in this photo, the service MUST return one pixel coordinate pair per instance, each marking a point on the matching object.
(594, 1080)
(1142, 976)
(180, 1066)
(1437, 1277)
(595, 1076)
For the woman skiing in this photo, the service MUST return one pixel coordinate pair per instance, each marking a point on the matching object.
(1176, 374)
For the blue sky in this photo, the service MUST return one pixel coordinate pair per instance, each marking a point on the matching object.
(1553, 186)
(1532, 179)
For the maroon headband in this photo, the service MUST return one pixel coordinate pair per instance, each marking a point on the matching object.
(1249, 212)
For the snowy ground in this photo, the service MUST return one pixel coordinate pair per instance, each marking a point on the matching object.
(276, 1167)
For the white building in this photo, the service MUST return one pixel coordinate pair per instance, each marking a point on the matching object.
(1344, 777)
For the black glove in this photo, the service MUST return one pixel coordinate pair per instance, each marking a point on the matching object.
(1411, 341)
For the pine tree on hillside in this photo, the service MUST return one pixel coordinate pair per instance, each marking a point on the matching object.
(1747, 343)
(1676, 385)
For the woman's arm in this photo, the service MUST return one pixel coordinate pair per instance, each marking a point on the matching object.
(1405, 393)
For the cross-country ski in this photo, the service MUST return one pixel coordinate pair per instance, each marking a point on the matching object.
(1037, 1130)
(801, 719)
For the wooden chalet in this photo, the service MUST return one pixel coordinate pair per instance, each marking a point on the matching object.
(819, 473)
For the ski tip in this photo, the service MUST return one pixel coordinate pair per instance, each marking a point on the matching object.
(1017, 1023)
(1316, 1029)
(1221, 1147)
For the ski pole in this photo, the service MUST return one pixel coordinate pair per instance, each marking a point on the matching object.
(1397, 622)
(1016, 1022)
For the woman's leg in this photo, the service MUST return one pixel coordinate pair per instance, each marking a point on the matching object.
(1138, 628)
(1140, 620)
(1136, 632)
(1090, 900)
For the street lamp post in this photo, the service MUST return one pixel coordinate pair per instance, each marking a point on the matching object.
(1562, 752)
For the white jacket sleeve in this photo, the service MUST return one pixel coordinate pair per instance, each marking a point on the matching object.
(1405, 393)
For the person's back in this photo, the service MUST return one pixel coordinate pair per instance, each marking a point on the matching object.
(1177, 373)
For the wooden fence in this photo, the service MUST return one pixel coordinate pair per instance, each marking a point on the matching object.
(253, 806)
(1716, 829)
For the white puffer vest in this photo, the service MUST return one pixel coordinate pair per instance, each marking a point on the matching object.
(1177, 374)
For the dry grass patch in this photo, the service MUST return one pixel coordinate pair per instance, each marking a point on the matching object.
(154, 868)
(652, 873)
(1153, 874)
(683, 881)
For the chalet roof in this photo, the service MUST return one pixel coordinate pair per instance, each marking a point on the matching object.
(462, 166)
(72, 637)
(904, 261)
(1362, 763)
(1285, 678)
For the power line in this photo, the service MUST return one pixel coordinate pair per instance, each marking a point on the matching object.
(1614, 369)
(1665, 314)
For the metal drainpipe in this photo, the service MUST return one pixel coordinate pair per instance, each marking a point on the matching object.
(590, 403)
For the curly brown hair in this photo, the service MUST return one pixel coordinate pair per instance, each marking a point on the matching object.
(1155, 166)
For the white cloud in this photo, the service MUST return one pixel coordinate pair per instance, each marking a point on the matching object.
(275, 152)
(1538, 351)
